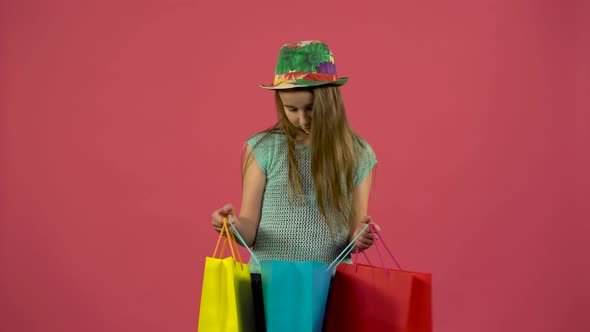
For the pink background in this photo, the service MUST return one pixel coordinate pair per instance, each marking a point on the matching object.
(122, 124)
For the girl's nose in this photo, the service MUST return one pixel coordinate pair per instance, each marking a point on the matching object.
(304, 119)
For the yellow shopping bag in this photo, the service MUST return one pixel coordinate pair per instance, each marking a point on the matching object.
(226, 297)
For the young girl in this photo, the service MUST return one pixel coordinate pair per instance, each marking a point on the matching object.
(306, 180)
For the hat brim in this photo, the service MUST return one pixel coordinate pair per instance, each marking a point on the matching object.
(303, 84)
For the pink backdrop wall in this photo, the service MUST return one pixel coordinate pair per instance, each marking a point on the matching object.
(122, 123)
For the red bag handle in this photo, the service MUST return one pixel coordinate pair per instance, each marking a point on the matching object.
(374, 232)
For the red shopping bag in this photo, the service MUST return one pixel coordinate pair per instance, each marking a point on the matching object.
(370, 298)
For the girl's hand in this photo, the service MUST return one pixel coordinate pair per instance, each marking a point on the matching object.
(365, 240)
(218, 215)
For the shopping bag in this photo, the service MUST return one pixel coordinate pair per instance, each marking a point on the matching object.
(370, 298)
(226, 296)
(295, 295)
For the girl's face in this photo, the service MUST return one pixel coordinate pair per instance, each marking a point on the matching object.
(298, 109)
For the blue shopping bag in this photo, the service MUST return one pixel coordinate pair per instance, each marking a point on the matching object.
(295, 295)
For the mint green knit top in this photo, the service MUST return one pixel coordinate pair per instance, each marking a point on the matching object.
(290, 231)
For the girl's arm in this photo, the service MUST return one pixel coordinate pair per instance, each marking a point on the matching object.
(360, 201)
(252, 190)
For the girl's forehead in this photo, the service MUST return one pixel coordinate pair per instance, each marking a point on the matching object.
(296, 97)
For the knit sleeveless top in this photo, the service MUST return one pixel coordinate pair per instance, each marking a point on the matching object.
(291, 231)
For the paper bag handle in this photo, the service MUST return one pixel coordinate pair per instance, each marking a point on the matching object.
(232, 239)
(351, 247)
(374, 232)
(237, 234)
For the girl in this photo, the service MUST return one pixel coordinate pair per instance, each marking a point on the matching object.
(306, 180)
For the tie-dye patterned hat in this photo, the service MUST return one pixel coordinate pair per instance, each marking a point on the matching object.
(305, 64)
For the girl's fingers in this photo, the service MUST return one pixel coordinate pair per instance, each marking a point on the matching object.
(366, 233)
(218, 215)
(227, 210)
(365, 240)
(366, 220)
(363, 245)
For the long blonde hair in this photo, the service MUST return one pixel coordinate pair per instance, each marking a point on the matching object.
(334, 154)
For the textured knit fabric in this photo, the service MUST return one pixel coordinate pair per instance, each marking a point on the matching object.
(289, 231)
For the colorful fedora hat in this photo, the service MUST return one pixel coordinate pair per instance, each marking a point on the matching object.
(305, 64)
